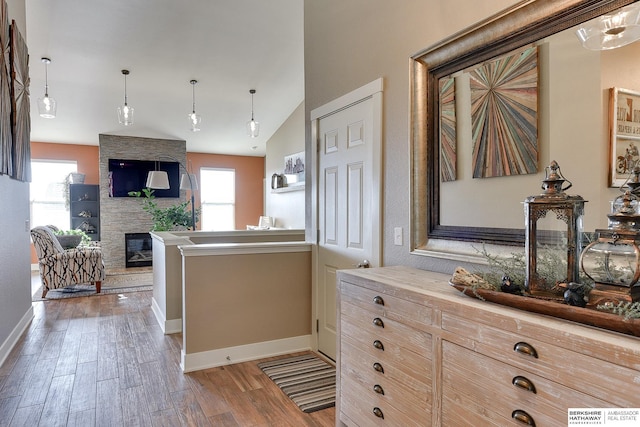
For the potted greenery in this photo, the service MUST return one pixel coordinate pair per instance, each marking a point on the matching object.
(71, 238)
(173, 217)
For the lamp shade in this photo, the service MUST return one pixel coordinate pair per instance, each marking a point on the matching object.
(47, 107)
(185, 184)
(611, 31)
(253, 128)
(158, 180)
(125, 115)
(194, 121)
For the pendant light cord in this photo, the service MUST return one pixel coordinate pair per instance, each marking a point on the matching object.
(46, 80)
(252, 105)
(125, 89)
(193, 92)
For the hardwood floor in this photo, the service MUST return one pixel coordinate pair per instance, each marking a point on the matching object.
(103, 360)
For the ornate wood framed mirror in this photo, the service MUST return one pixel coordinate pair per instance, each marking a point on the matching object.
(526, 23)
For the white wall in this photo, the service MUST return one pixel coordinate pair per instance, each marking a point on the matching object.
(288, 208)
(15, 255)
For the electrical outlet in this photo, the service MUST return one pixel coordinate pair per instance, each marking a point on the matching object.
(397, 236)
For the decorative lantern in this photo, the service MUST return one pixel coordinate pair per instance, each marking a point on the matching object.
(552, 235)
(613, 260)
(633, 182)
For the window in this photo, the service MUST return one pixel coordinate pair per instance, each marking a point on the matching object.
(218, 196)
(47, 192)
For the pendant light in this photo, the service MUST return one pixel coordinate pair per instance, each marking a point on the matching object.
(253, 127)
(46, 104)
(194, 119)
(125, 113)
(611, 31)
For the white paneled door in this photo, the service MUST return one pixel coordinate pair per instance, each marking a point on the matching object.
(348, 133)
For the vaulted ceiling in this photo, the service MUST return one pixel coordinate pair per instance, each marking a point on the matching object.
(229, 46)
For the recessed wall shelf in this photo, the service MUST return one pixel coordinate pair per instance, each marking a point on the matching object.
(84, 209)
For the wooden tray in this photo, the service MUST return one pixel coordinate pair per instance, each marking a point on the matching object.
(592, 317)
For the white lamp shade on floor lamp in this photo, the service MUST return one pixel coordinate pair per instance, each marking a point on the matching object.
(158, 180)
(185, 184)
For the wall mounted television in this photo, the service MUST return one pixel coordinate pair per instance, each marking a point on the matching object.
(131, 175)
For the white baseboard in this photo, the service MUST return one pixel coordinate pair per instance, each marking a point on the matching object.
(15, 335)
(158, 313)
(243, 353)
(172, 326)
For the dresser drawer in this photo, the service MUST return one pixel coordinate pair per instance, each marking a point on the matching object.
(391, 332)
(380, 303)
(391, 352)
(574, 370)
(460, 362)
(499, 387)
(359, 405)
(401, 389)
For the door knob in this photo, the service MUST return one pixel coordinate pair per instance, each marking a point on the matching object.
(363, 264)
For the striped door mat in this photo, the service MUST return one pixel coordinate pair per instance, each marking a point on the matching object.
(307, 380)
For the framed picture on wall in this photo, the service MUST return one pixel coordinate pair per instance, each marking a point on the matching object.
(448, 136)
(624, 126)
(504, 115)
(6, 136)
(20, 118)
(294, 168)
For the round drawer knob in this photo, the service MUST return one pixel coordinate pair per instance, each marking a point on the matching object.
(378, 322)
(378, 300)
(378, 367)
(378, 412)
(378, 389)
(377, 344)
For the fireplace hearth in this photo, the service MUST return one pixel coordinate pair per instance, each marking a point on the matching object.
(138, 250)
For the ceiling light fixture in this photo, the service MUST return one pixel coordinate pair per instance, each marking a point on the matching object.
(194, 119)
(611, 31)
(253, 127)
(125, 113)
(46, 105)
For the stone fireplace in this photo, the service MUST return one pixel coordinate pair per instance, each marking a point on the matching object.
(122, 215)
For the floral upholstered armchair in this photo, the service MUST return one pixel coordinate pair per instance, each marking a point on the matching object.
(60, 268)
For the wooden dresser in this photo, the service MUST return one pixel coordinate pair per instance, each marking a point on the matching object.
(413, 351)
